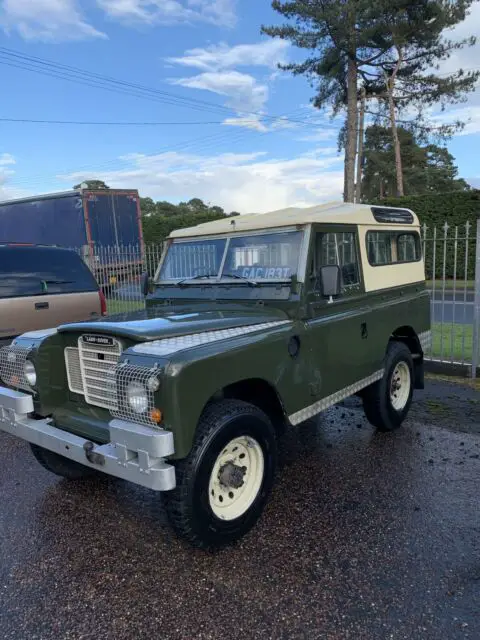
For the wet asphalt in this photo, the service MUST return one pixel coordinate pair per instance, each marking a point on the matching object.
(366, 536)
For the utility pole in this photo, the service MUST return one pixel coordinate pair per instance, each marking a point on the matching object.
(361, 135)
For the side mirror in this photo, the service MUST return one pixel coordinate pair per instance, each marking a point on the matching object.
(330, 277)
(145, 284)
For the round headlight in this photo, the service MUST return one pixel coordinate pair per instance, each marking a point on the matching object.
(137, 397)
(30, 373)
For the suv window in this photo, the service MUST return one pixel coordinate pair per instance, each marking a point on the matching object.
(341, 249)
(390, 247)
(31, 271)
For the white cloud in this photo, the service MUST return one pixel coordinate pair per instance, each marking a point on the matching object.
(247, 95)
(6, 159)
(464, 58)
(244, 93)
(7, 190)
(470, 115)
(240, 182)
(47, 20)
(267, 54)
(219, 12)
(320, 135)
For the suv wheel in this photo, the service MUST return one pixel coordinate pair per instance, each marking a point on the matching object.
(61, 466)
(224, 483)
(387, 402)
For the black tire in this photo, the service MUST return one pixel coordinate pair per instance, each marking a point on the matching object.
(188, 505)
(377, 402)
(61, 466)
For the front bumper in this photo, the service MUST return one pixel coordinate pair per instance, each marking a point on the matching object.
(134, 453)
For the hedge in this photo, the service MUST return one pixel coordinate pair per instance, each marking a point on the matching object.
(156, 228)
(456, 208)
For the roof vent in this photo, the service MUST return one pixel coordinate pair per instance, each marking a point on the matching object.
(392, 216)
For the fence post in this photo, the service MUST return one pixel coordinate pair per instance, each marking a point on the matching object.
(476, 306)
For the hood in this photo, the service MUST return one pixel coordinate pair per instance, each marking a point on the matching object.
(157, 323)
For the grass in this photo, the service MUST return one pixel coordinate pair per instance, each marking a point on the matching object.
(460, 335)
(460, 285)
(124, 306)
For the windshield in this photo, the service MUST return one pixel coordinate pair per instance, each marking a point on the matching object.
(263, 257)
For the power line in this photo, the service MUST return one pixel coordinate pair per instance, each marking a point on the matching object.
(120, 124)
(42, 66)
(198, 146)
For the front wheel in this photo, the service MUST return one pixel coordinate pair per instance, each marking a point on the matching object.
(387, 402)
(224, 483)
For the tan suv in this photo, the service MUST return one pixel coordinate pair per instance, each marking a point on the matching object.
(42, 287)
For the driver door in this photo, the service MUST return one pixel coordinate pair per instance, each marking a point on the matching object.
(339, 328)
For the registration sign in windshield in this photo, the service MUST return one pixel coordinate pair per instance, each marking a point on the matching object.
(266, 273)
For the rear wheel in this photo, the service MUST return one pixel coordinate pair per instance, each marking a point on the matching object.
(387, 402)
(61, 466)
(224, 483)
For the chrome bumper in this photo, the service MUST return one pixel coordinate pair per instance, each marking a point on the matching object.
(134, 453)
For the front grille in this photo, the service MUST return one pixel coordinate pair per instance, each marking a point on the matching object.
(91, 372)
(74, 372)
(94, 371)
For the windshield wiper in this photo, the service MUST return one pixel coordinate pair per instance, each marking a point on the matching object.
(252, 283)
(58, 281)
(199, 276)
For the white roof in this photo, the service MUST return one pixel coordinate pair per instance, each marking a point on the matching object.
(331, 212)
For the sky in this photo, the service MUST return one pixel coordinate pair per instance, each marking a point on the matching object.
(231, 128)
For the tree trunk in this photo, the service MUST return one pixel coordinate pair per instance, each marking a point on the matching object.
(390, 84)
(352, 127)
(396, 144)
(361, 133)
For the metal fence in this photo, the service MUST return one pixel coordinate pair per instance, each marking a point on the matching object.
(452, 264)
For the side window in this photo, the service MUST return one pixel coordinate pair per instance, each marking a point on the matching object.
(389, 247)
(340, 248)
(408, 247)
(379, 247)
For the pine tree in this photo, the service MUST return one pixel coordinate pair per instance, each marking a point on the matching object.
(385, 48)
(406, 77)
(426, 168)
(330, 29)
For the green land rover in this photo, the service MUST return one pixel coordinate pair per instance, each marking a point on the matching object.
(251, 323)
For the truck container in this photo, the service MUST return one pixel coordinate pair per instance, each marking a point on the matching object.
(103, 225)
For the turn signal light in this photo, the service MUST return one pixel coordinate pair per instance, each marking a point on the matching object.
(156, 416)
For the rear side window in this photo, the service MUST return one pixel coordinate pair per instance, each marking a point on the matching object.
(389, 247)
(32, 271)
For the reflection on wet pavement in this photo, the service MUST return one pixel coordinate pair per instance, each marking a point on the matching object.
(367, 536)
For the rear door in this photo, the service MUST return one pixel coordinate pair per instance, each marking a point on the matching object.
(41, 287)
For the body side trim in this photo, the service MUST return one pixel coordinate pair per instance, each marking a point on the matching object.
(334, 398)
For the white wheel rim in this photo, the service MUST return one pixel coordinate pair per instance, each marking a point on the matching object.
(400, 385)
(241, 461)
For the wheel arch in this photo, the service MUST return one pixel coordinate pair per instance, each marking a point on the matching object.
(260, 393)
(409, 337)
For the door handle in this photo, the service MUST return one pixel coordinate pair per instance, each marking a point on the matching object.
(41, 305)
(364, 330)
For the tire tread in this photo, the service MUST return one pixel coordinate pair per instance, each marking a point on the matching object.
(374, 404)
(177, 500)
